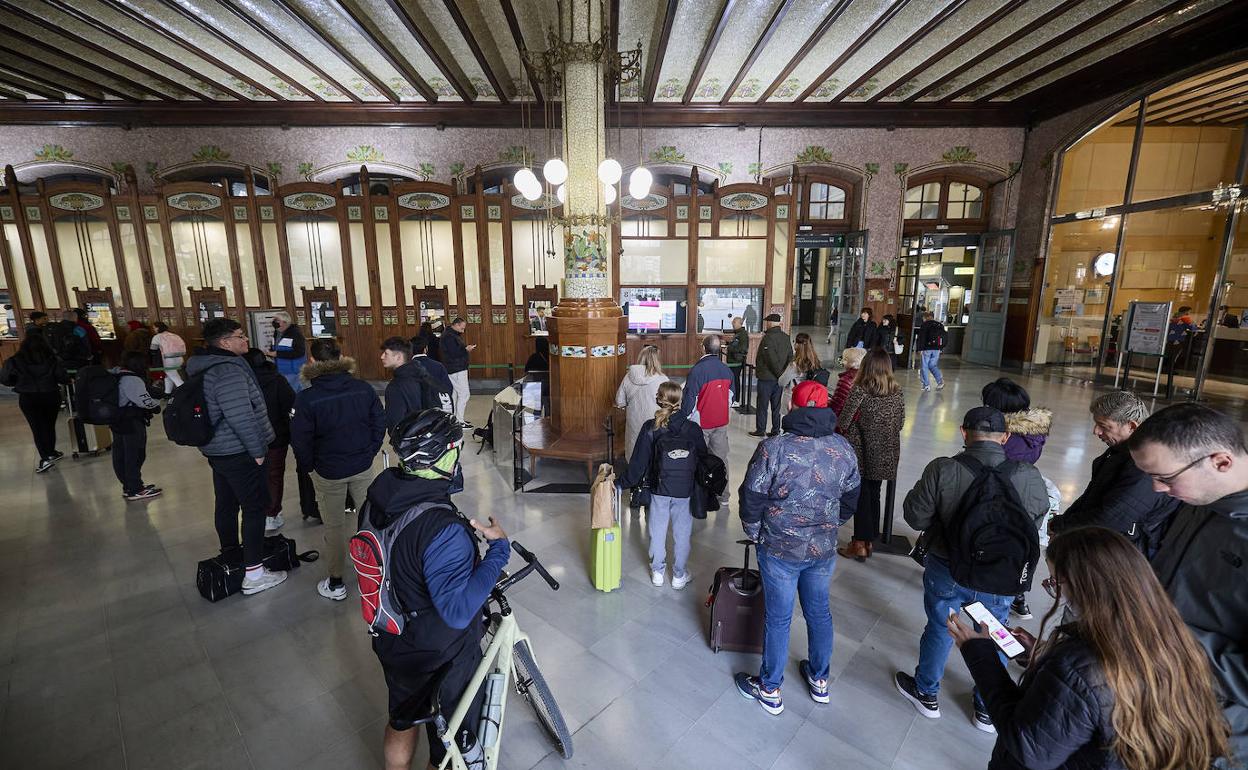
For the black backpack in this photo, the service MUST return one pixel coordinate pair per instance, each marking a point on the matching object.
(993, 542)
(186, 413)
(98, 396)
(432, 394)
(672, 454)
(71, 349)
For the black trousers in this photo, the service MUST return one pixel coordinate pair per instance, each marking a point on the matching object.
(307, 496)
(867, 517)
(769, 394)
(40, 411)
(239, 482)
(738, 382)
(129, 454)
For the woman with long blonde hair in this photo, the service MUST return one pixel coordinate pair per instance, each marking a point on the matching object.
(664, 461)
(1123, 685)
(637, 392)
(806, 360)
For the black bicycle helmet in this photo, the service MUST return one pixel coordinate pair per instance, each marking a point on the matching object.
(421, 439)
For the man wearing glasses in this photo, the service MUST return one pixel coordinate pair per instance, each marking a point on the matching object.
(240, 442)
(1199, 456)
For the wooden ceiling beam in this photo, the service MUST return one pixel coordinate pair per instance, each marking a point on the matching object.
(659, 52)
(386, 49)
(1224, 97)
(923, 31)
(806, 48)
(175, 37)
(952, 46)
(517, 36)
(289, 50)
(51, 54)
(1238, 117)
(781, 11)
(310, 26)
(108, 54)
(1021, 33)
(1075, 55)
(20, 63)
(50, 91)
(708, 49)
(466, 32)
(854, 47)
(1219, 114)
(15, 95)
(1164, 108)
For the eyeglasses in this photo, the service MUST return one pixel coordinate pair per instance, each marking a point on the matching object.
(239, 336)
(1169, 478)
(1052, 586)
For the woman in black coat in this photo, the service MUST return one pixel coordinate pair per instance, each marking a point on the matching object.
(1127, 645)
(36, 374)
(862, 333)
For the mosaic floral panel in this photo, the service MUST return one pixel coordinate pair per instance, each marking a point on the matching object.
(573, 351)
(123, 213)
(193, 201)
(381, 213)
(151, 214)
(424, 201)
(6, 213)
(355, 213)
(467, 212)
(546, 201)
(649, 203)
(76, 202)
(602, 351)
(743, 201)
(240, 213)
(309, 201)
(494, 212)
(266, 213)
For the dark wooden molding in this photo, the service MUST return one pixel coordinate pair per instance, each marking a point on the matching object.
(1020, 34)
(517, 37)
(1228, 114)
(387, 50)
(8, 94)
(175, 37)
(659, 52)
(176, 88)
(290, 51)
(708, 49)
(315, 31)
(1080, 52)
(853, 48)
(806, 48)
(1187, 101)
(466, 32)
(777, 17)
(32, 85)
(38, 72)
(923, 31)
(952, 46)
(50, 54)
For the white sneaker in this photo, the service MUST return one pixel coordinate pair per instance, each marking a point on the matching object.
(656, 577)
(264, 582)
(926, 388)
(273, 523)
(680, 581)
(940, 386)
(337, 593)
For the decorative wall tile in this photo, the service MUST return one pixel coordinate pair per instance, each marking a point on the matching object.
(423, 201)
(782, 211)
(704, 213)
(309, 201)
(151, 213)
(240, 213)
(355, 213)
(741, 202)
(381, 213)
(494, 212)
(682, 212)
(410, 316)
(498, 316)
(474, 316)
(33, 214)
(76, 201)
(266, 213)
(622, 349)
(573, 351)
(194, 201)
(6, 213)
(602, 351)
(467, 212)
(520, 315)
(123, 213)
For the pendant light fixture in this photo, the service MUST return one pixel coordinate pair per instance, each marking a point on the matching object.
(555, 171)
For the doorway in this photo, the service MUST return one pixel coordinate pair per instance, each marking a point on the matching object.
(807, 285)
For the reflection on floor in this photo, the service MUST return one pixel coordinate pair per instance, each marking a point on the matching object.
(110, 659)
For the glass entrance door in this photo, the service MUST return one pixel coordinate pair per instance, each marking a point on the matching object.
(807, 288)
(853, 282)
(986, 328)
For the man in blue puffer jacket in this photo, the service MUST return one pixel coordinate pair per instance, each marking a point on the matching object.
(336, 430)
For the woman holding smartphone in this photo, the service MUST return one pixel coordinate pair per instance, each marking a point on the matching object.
(1122, 686)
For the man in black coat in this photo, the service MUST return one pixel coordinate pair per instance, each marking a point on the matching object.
(404, 394)
(1119, 496)
(1199, 456)
(455, 358)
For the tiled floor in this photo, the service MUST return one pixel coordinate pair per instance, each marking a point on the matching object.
(110, 659)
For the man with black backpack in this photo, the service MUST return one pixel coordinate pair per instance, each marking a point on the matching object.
(69, 341)
(979, 513)
(406, 393)
(442, 388)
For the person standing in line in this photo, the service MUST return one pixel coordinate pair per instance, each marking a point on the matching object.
(455, 357)
(92, 334)
(172, 350)
(437, 372)
(138, 337)
(708, 392)
(336, 430)
(738, 351)
(806, 361)
(539, 360)
(69, 342)
(862, 333)
(430, 336)
(36, 375)
(240, 442)
(930, 341)
(130, 429)
(637, 393)
(36, 322)
(775, 353)
(1199, 457)
(799, 488)
(751, 319)
(666, 458)
(279, 399)
(871, 421)
(404, 394)
(851, 359)
(290, 350)
(1122, 685)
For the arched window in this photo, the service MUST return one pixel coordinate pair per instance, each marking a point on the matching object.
(826, 201)
(923, 201)
(942, 200)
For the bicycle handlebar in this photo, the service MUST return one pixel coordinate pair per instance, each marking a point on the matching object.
(532, 561)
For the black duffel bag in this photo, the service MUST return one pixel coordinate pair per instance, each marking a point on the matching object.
(222, 575)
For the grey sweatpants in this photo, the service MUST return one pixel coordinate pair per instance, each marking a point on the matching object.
(663, 510)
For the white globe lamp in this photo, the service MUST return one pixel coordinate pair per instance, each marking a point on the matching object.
(527, 180)
(609, 171)
(608, 194)
(555, 171)
(532, 193)
(562, 194)
(639, 183)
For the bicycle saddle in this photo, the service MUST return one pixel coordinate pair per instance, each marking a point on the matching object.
(422, 707)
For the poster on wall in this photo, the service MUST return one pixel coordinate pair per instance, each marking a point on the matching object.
(1067, 300)
(1147, 323)
(100, 315)
(260, 326)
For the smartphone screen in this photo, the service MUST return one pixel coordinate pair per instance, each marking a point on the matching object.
(1005, 641)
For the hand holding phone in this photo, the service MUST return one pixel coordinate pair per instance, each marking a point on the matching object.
(999, 634)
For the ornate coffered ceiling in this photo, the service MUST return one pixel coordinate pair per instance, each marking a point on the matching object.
(780, 62)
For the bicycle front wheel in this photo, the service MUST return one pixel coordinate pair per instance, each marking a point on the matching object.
(532, 685)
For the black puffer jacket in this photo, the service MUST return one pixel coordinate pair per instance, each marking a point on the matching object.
(279, 397)
(27, 375)
(1058, 717)
(1120, 496)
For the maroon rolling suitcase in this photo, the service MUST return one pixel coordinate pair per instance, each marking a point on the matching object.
(736, 602)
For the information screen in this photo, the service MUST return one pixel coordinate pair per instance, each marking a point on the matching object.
(652, 316)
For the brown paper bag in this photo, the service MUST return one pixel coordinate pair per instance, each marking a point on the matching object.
(602, 499)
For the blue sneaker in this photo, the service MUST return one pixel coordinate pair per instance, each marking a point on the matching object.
(752, 687)
(818, 688)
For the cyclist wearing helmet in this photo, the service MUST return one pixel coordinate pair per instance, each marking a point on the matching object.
(437, 573)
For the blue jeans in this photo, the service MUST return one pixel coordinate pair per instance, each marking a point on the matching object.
(941, 594)
(809, 581)
(930, 359)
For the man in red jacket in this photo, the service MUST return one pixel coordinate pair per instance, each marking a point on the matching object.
(708, 394)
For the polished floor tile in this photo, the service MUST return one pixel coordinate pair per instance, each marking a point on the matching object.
(109, 658)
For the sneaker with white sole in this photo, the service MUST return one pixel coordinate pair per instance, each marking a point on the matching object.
(44, 466)
(55, 456)
(266, 580)
(273, 523)
(331, 591)
(1020, 609)
(940, 386)
(147, 493)
(818, 688)
(680, 581)
(925, 704)
(751, 687)
(657, 578)
(982, 721)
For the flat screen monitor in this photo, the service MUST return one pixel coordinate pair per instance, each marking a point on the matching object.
(654, 316)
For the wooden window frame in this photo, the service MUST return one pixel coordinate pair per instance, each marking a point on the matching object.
(945, 179)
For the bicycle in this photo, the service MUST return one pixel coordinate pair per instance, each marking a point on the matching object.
(508, 660)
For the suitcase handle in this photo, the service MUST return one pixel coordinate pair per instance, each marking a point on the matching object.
(747, 544)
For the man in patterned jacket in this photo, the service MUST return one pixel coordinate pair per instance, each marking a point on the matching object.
(799, 488)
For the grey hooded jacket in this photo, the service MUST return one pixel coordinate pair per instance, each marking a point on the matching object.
(235, 405)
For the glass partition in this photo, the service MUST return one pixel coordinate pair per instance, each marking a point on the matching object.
(385, 265)
(536, 254)
(315, 253)
(359, 264)
(43, 264)
(1171, 255)
(160, 270)
(20, 282)
(733, 261)
(498, 271)
(1180, 159)
(1094, 168)
(1073, 303)
(134, 266)
(247, 265)
(273, 264)
(86, 250)
(471, 267)
(718, 305)
(655, 261)
(655, 310)
(779, 264)
(201, 253)
(429, 255)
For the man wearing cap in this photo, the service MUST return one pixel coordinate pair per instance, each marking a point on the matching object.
(934, 504)
(775, 353)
